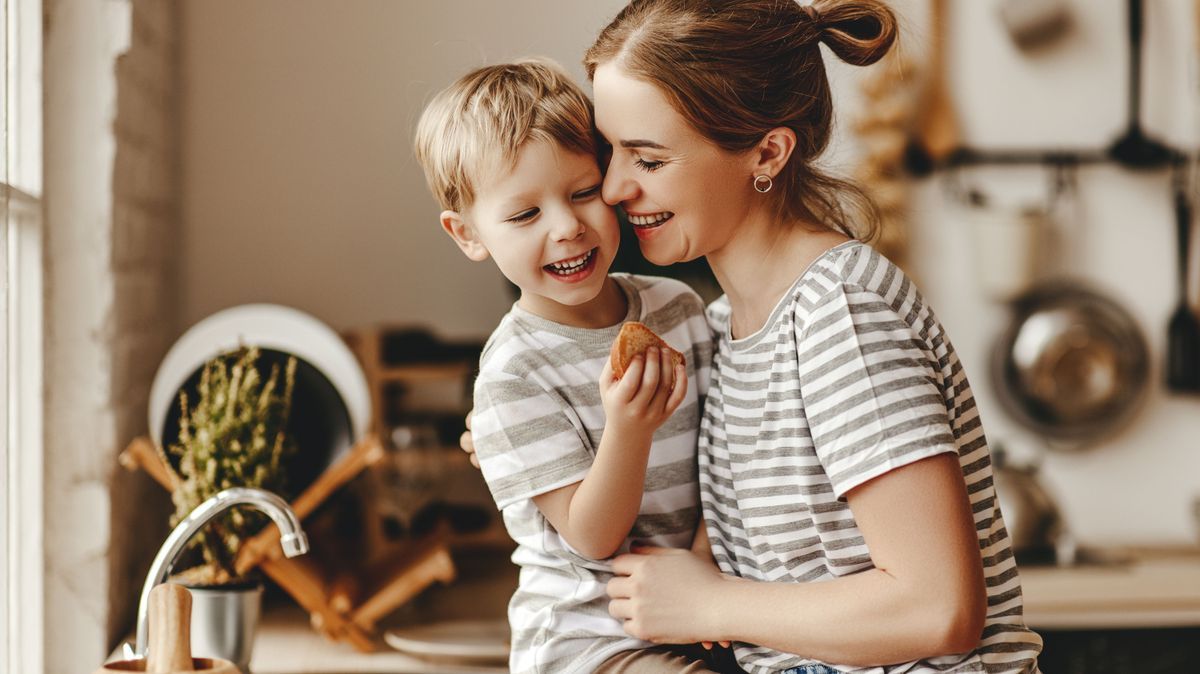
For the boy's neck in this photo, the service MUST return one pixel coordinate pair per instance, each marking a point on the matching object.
(608, 308)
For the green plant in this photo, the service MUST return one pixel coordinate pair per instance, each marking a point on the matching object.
(235, 436)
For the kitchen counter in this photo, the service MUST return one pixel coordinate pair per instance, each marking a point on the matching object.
(287, 645)
(1148, 588)
(1143, 589)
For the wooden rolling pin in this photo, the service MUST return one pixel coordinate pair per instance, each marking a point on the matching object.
(170, 649)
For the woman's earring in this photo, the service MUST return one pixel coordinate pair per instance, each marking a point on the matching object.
(763, 184)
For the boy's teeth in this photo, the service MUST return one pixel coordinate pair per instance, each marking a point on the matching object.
(647, 220)
(574, 264)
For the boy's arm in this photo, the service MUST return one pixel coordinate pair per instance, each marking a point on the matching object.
(596, 514)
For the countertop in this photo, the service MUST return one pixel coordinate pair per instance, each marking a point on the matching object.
(1148, 588)
(1145, 588)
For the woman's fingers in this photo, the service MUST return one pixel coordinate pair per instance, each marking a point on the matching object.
(619, 588)
(467, 441)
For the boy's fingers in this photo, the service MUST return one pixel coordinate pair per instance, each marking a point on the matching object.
(662, 394)
(633, 377)
(680, 389)
(650, 376)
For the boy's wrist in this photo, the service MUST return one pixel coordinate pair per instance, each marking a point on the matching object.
(629, 434)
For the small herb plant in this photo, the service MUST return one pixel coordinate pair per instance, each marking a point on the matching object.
(234, 436)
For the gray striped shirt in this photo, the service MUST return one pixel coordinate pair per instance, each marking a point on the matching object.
(538, 422)
(852, 376)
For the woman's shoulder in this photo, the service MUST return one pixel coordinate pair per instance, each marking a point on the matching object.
(853, 265)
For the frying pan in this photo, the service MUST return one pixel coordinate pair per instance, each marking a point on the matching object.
(1072, 365)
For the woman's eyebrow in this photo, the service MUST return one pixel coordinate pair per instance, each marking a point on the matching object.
(633, 144)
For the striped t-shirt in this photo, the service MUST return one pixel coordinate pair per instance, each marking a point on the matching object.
(537, 425)
(852, 376)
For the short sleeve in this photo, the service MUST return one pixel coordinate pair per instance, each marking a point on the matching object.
(870, 388)
(527, 439)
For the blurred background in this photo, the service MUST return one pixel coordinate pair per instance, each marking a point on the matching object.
(199, 155)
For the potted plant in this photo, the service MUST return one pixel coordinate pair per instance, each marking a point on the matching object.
(234, 435)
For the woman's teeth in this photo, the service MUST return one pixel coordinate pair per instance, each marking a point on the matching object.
(653, 220)
(571, 266)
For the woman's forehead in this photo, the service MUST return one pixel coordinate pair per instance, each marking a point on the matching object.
(630, 109)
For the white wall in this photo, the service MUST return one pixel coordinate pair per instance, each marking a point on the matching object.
(110, 208)
(299, 187)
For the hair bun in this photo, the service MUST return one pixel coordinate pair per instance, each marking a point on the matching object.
(860, 32)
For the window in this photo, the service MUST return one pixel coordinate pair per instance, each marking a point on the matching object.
(21, 629)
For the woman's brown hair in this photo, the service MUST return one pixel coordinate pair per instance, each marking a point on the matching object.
(735, 69)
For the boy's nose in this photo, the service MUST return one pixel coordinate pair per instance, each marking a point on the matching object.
(567, 227)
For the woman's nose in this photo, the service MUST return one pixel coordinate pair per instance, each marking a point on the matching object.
(617, 186)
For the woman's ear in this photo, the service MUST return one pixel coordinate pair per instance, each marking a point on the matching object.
(464, 235)
(773, 151)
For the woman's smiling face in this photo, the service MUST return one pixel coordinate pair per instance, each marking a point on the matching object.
(683, 194)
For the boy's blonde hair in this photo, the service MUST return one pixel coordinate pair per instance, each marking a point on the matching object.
(477, 125)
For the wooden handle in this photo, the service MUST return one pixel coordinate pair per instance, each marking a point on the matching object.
(170, 629)
(265, 545)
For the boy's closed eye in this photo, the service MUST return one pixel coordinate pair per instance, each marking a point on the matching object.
(588, 193)
(524, 216)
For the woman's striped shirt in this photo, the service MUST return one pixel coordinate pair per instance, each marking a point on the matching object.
(852, 376)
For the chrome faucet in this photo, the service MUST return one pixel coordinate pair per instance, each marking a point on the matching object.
(292, 540)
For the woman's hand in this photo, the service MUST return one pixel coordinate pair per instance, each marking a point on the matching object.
(467, 442)
(661, 595)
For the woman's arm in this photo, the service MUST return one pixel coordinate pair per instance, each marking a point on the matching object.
(596, 514)
(925, 597)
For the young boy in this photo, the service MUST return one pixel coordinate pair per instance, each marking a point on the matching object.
(578, 471)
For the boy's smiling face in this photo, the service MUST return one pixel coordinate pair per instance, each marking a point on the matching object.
(548, 230)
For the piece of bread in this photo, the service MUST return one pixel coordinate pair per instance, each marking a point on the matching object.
(633, 339)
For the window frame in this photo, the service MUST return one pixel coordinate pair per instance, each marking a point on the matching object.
(21, 397)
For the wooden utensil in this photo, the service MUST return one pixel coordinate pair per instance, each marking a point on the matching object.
(936, 135)
(1183, 332)
(170, 649)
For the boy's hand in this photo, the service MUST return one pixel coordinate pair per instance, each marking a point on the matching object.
(651, 390)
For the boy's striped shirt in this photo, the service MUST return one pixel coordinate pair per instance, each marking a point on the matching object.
(537, 425)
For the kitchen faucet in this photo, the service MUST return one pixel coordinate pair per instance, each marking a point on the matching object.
(292, 540)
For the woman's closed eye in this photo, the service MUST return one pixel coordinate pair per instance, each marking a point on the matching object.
(648, 165)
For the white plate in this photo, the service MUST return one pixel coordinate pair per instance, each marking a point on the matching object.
(461, 639)
(268, 326)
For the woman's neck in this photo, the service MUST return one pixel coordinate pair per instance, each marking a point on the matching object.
(761, 262)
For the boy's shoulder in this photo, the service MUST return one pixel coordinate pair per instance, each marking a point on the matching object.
(658, 291)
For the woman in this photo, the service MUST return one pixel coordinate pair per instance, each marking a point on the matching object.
(845, 476)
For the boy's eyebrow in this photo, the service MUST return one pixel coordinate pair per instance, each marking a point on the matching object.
(632, 144)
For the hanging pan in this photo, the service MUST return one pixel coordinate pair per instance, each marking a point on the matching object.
(1072, 364)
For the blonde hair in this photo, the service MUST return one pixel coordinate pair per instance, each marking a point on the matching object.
(735, 69)
(476, 126)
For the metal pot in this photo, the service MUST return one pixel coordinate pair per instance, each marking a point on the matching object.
(1072, 364)
(1031, 515)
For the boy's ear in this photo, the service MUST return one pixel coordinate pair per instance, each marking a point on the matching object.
(463, 235)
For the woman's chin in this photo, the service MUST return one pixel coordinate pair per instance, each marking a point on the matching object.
(659, 256)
